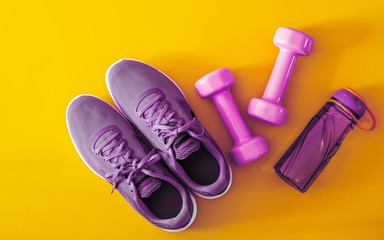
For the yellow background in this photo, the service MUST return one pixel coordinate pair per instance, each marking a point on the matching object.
(51, 51)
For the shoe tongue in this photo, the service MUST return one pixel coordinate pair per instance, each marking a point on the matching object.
(184, 145)
(102, 138)
(145, 184)
(144, 101)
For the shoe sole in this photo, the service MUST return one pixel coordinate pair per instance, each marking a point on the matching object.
(66, 118)
(190, 221)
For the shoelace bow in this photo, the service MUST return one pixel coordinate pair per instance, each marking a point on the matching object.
(169, 130)
(113, 149)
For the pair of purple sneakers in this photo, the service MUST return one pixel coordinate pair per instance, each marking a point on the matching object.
(184, 158)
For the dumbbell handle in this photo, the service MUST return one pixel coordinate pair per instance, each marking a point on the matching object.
(282, 71)
(230, 113)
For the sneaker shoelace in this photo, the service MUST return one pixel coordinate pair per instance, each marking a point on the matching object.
(166, 122)
(114, 150)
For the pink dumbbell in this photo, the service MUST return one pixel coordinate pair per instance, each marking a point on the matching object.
(216, 85)
(292, 44)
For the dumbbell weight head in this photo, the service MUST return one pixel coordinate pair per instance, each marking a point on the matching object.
(266, 111)
(293, 41)
(249, 150)
(214, 82)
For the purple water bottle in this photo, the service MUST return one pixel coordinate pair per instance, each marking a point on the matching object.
(302, 163)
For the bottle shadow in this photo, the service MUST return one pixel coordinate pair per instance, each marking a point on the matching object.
(257, 193)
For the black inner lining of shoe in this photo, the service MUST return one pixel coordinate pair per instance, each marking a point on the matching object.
(201, 166)
(165, 202)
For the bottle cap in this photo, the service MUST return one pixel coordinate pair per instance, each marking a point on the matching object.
(350, 101)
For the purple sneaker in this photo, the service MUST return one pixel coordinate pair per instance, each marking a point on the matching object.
(101, 137)
(159, 109)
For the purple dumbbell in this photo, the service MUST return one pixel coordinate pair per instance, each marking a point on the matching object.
(216, 85)
(292, 44)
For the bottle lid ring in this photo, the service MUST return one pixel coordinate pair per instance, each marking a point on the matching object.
(373, 126)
